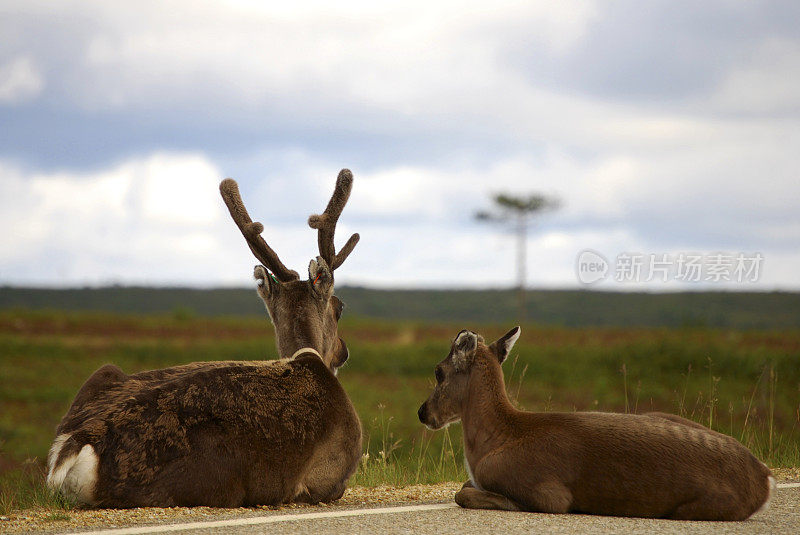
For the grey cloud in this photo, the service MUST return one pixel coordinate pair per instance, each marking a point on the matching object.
(638, 71)
(661, 52)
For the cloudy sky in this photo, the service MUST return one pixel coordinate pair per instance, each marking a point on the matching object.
(664, 128)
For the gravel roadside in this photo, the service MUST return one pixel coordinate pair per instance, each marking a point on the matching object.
(54, 521)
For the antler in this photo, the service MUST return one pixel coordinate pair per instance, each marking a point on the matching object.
(326, 223)
(252, 232)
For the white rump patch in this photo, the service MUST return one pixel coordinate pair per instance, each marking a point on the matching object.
(52, 455)
(75, 476)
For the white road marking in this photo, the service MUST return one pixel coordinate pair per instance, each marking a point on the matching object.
(252, 521)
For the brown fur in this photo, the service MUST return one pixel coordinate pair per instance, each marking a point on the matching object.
(304, 315)
(651, 465)
(225, 434)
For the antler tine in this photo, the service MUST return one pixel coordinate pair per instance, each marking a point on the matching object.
(325, 223)
(251, 231)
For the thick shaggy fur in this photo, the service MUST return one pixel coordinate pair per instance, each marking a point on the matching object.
(226, 433)
(223, 434)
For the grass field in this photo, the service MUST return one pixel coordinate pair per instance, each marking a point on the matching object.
(745, 383)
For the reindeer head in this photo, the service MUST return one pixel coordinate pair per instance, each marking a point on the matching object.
(445, 404)
(305, 313)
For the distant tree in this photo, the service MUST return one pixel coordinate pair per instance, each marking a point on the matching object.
(517, 212)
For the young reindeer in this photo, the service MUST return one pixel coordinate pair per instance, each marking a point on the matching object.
(226, 434)
(651, 465)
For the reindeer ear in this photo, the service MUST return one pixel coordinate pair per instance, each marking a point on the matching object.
(338, 307)
(320, 278)
(265, 283)
(502, 346)
(464, 347)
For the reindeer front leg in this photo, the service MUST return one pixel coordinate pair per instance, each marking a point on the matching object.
(471, 498)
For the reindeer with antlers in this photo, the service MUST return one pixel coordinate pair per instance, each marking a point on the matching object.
(232, 433)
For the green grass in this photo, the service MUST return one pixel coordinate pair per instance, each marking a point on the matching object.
(744, 383)
(22, 487)
(387, 460)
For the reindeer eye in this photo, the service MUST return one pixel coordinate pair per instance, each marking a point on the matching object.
(439, 375)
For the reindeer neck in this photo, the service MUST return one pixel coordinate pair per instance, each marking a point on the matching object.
(290, 345)
(486, 418)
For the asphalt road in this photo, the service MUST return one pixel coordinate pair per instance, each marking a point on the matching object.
(783, 516)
